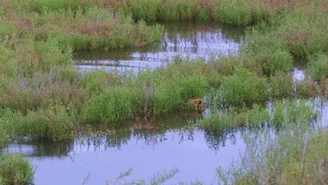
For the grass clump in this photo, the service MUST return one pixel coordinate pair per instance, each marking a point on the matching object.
(46, 6)
(95, 82)
(242, 13)
(29, 93)
(145, 9)
(4, 137)
(317, 67)
(112, 105)
(52, 122)
(303, 30)
(299, 31)
(308, 88)
(282, 86)
(226, 120)
(234, 12)
(266, 55)
(293, 112)
(244, 87)
(15, 170)
(282, 114)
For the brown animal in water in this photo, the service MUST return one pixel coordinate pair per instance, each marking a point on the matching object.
(198, 103)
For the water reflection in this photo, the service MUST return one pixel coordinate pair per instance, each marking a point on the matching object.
(191, 40)
(45, 149)
(174, 144)
(40, 148)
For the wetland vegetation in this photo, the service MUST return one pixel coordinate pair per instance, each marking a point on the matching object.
(43, 96)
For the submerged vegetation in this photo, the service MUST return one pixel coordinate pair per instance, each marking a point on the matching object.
(293, 155)
(43, 96)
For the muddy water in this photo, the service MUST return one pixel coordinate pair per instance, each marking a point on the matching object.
(191, 40)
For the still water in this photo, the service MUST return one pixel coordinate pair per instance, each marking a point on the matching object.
(191, 40)
(195, 153)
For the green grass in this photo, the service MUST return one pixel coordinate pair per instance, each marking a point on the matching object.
(293, 155)
(317, 67)
(52, 122)
(15, 170)
(4, 137)
(283, 113)
(244, 87)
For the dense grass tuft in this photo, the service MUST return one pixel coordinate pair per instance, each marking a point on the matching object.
(15, 170)
(317, 67)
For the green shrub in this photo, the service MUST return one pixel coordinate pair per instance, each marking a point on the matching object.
(15, 170)
(303, 34)
(59, 85)
(235, 12)
(324, 87)
(308, 88)
(281, 114)
(221, 121)
(7, 28)
(224, 120)
(178, 10)
(52, 122)
(95, 82)
(44, 6)
(193, 87)
(244, 87)
(257, 115)
(170, 96)
(293, 112)
(145, 9)
(4, 137)
(172, 10)
(238, 12)
(110, 106)
(266, 54)
(317, 67)
(282, 86)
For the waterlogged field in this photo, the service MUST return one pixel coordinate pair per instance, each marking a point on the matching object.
(270, 91)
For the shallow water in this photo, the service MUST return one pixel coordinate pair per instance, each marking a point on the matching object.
(191, 40)
(195, 153)
(175, 144)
